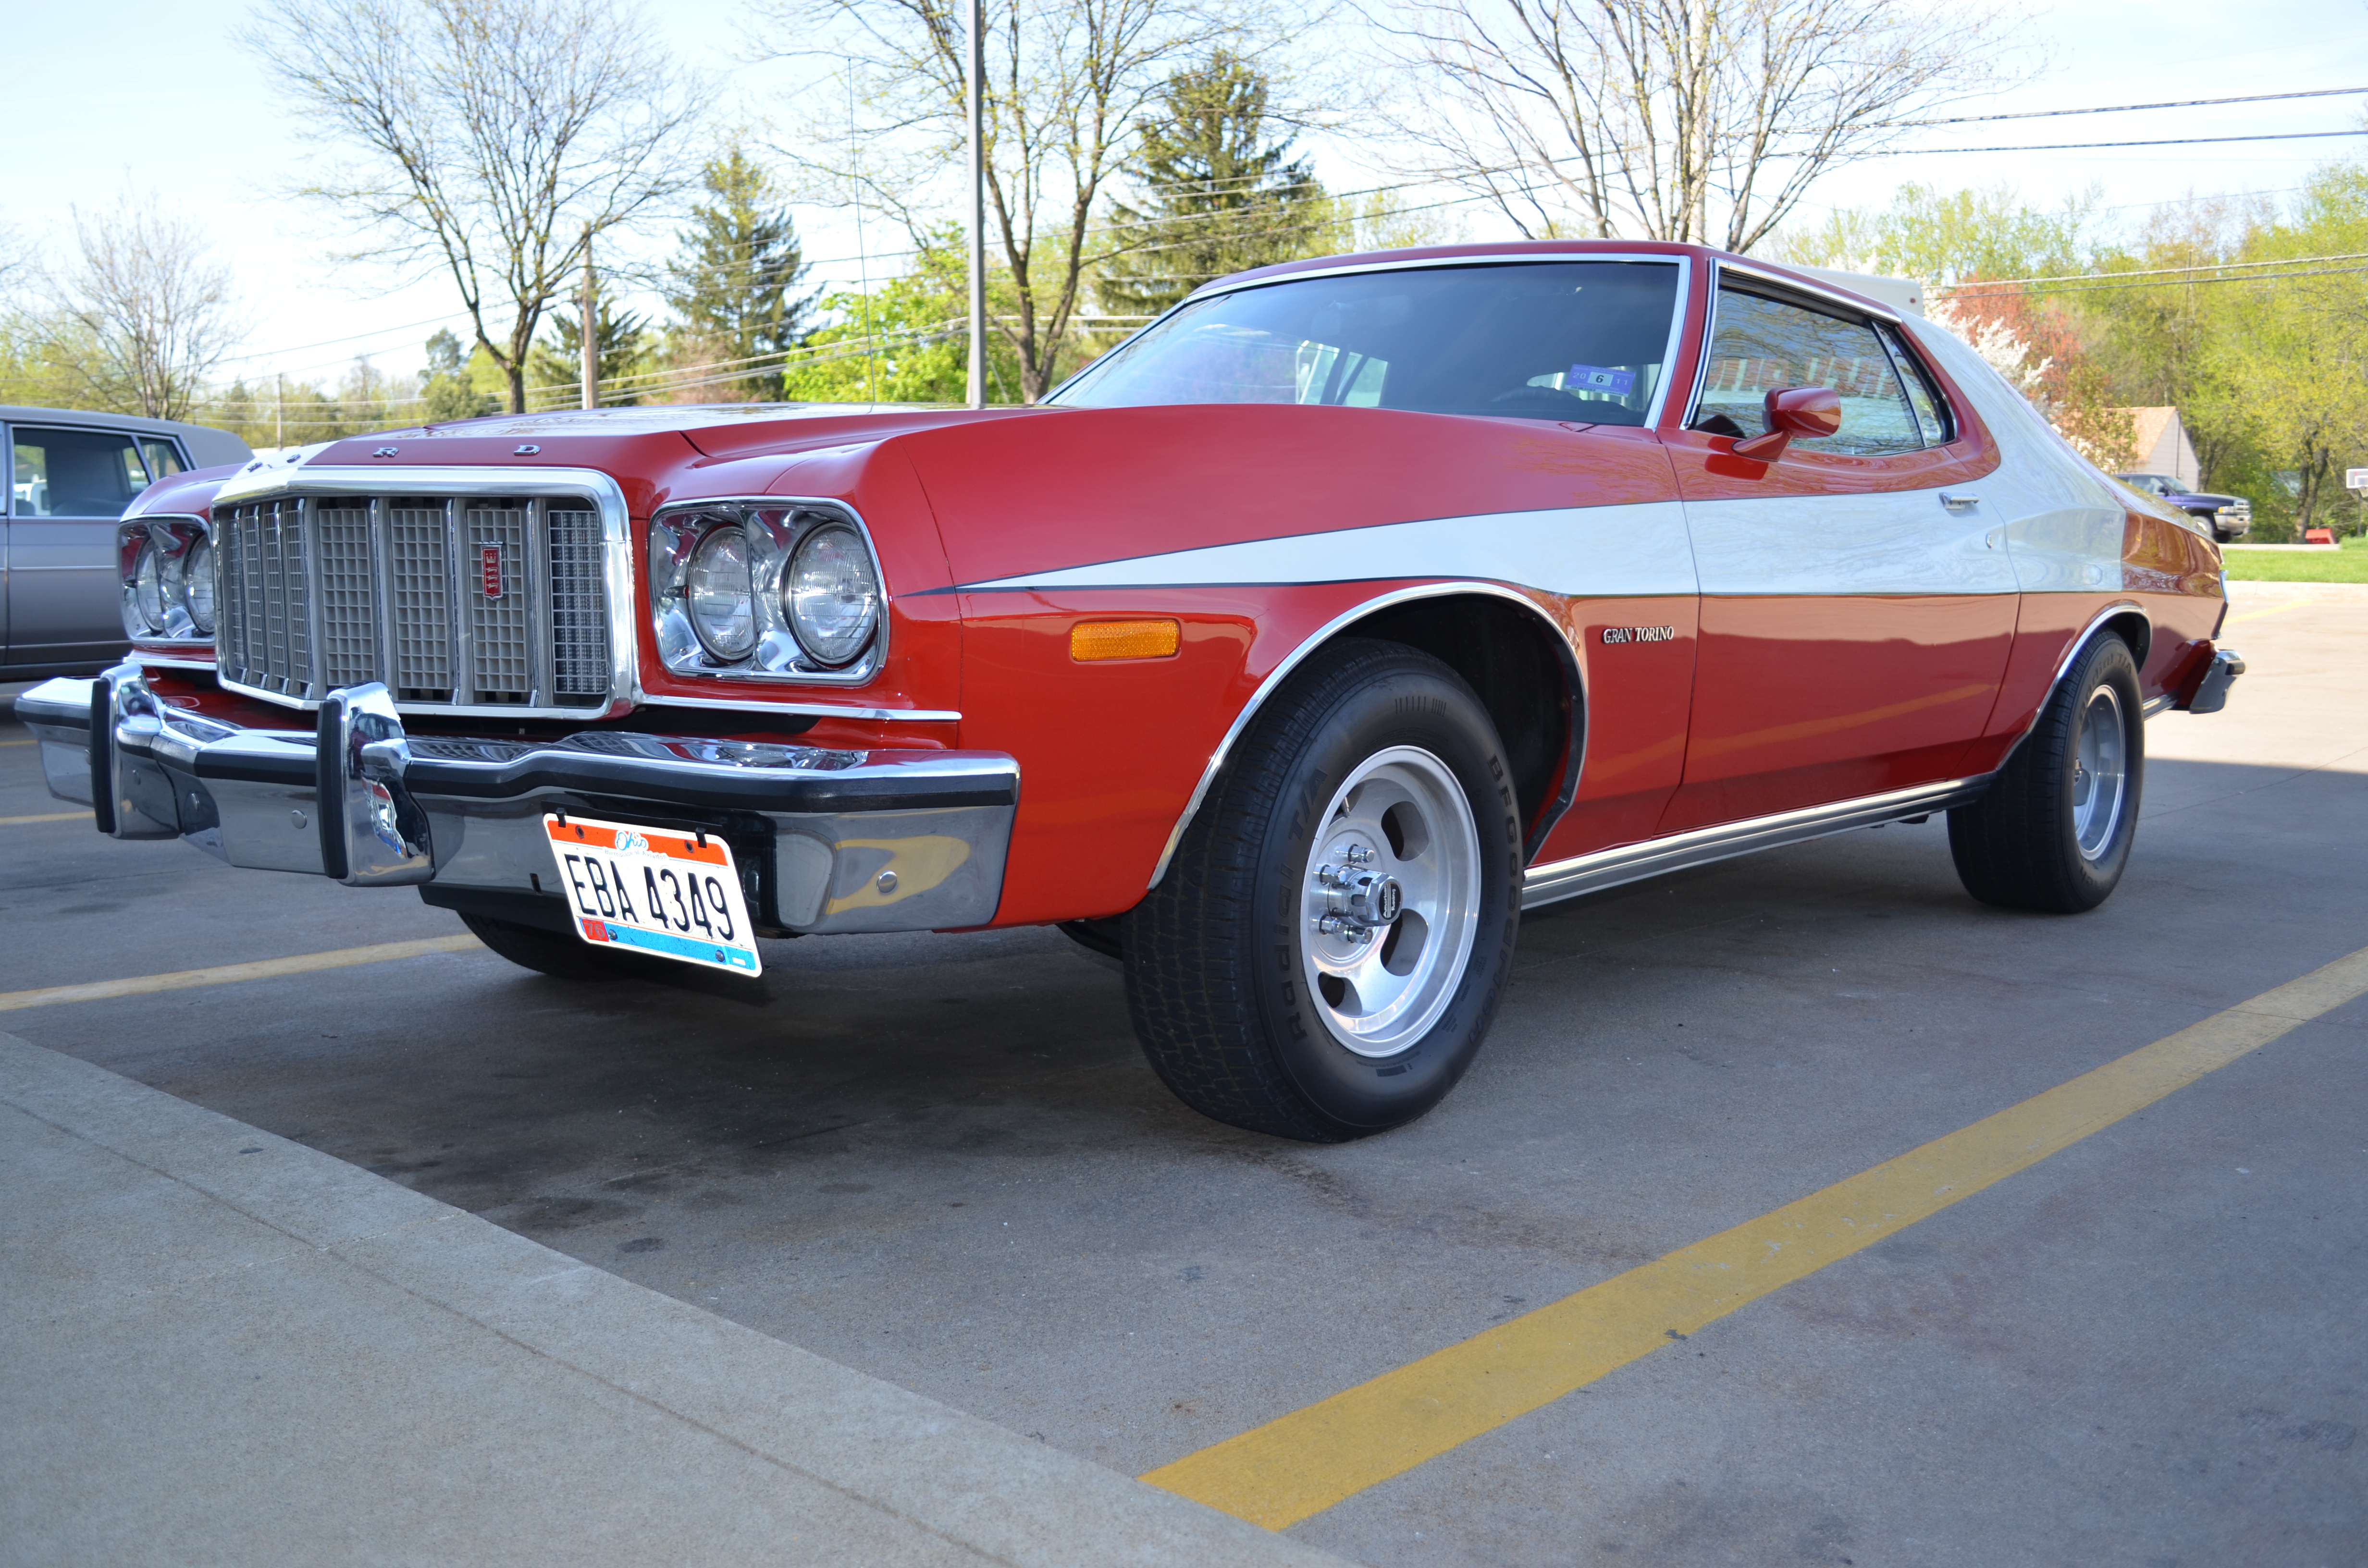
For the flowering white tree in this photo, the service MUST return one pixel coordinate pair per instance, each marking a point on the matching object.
(2001, 346)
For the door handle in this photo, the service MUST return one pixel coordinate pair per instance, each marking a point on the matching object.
(1957, 501)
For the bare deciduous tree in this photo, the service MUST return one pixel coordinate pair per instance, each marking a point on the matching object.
(1696, 121)
(1066, 81)
(15, 259)
(141, 315)
(495, 138)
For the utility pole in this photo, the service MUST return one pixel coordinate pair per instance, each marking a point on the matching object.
(591, 338)
(974, 92)
(279, 409)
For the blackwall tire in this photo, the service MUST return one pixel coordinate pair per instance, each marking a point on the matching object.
(1275, 981)
(2052, 834)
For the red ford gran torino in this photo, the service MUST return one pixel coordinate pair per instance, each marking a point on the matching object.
(1287, 654)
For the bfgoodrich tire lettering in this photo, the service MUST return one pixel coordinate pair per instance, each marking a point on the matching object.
(1244, 966)
(2054, 831)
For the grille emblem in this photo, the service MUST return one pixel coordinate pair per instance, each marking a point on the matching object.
(489, 571)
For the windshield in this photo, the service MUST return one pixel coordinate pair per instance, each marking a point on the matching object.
(1578, 340)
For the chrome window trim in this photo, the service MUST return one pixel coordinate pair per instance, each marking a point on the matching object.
(1315, 639)
(1786, 281)
(1654, 857)
(575, 483)
(865, 670)
(1721, 267)
(1683, 263)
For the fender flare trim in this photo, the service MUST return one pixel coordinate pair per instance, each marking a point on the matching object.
(1341, 622)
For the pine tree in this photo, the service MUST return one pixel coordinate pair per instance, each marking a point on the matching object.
(620, 342)
(1222, 195)
(731, 284)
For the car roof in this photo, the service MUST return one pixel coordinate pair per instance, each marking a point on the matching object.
(207, 447)
(1885, 297)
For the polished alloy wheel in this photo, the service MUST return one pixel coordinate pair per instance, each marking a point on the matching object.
(2100, 773)
(1390, 901)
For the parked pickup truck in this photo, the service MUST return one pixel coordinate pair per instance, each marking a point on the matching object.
(2229, 516)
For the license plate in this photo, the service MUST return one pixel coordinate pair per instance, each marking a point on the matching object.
(654, 890)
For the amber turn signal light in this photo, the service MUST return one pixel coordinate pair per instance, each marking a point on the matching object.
(1092, 640)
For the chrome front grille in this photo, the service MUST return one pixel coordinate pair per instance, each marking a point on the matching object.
(462, 602)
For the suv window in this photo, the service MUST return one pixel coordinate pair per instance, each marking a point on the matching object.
(163, 457)
(76, 473)
(1581, 341)
(1760, 345)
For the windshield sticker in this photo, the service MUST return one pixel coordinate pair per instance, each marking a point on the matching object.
(1598, 378)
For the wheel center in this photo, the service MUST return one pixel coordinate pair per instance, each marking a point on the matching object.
(1358, 899)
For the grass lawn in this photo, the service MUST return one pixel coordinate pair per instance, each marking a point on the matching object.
(2346, 564)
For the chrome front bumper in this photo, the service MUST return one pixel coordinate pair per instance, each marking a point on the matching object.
(828, 841)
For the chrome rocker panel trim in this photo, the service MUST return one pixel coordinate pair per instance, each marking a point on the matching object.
(616, 562)
(1679, 852)
(359, 800)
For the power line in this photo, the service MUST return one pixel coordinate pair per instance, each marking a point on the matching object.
(2160, 271)
(2131, 108)
(2152, 142)
(1978, 293)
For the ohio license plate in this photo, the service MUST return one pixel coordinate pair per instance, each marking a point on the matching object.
(654, 890)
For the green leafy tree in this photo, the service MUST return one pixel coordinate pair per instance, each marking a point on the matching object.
(1223, 192)
(1950, 236)
(734, 283)
(449, 392)
(906, 341)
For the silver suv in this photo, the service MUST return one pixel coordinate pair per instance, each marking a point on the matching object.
(69, 475)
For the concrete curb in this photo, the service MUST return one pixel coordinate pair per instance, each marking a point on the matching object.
(126, 1200)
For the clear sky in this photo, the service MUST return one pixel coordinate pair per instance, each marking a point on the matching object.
(155, 94)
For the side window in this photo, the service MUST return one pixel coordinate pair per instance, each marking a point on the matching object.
(163, 457)
(1931, 408)
(1761, 344)
(76, 473)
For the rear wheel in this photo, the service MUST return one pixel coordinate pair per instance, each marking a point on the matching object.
(2054, 832)
(1329, 945)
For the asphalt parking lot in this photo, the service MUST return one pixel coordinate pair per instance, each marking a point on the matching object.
(941, 1161)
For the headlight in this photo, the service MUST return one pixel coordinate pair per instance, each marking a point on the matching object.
(744, 589)
(198, 585)
(722, 599)
(830, 594)
(148, 591)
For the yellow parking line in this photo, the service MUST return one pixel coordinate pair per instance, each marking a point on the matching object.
(2273, 609)
(1304, 1462)
(224, 974)
(45, 816)
(19, 743)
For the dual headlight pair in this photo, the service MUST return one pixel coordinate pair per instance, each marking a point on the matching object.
(167, 570)
(758, 590)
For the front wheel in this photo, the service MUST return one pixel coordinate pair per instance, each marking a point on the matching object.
(2054, 831)
(1329, 945)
